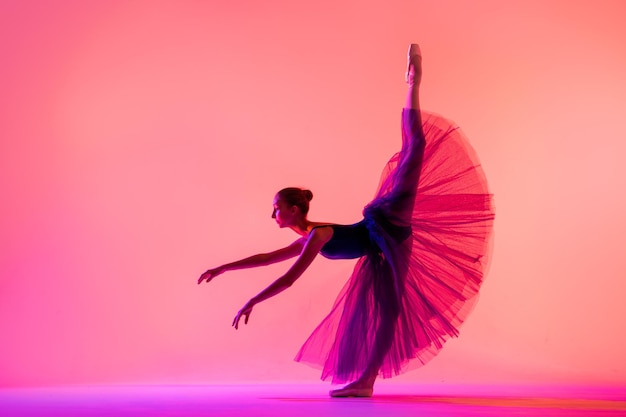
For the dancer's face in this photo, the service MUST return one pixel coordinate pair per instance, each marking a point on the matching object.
(283, 213)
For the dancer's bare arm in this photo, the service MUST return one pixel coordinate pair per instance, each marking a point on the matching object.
(254, 261)
(316, 240)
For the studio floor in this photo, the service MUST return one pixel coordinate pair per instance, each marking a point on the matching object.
(312, 400)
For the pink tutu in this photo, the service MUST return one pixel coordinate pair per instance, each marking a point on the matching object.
(431, 222)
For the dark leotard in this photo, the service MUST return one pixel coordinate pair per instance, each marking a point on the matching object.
(354, 240)
(348, 242)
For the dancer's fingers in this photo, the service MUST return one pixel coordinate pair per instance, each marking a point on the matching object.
(204, 276)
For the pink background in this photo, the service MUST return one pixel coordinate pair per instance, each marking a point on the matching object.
(142, 142)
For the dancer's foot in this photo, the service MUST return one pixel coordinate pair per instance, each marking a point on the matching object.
(414, 65)
(355, 389)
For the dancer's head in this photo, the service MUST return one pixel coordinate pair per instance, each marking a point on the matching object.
(291, 205)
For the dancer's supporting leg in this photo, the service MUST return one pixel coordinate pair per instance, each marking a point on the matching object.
(412, 149)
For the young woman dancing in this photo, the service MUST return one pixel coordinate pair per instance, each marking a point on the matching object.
(422, 251)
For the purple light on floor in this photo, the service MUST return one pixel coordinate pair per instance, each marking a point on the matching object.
(311, 400)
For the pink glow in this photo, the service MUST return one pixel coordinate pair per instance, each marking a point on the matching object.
(143, 142)
(306, 400)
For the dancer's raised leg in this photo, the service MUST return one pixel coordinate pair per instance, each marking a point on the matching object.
(412, 152)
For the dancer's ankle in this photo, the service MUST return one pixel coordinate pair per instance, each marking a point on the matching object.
(365, 381)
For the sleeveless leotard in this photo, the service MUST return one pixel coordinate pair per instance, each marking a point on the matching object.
(348, 242)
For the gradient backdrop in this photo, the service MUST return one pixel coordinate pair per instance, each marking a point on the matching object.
(142, 142)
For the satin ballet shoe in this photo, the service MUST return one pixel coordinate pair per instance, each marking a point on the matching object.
(414, 51)
(414, 64)
(351, 392)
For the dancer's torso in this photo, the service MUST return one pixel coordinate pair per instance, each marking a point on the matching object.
(348, 242)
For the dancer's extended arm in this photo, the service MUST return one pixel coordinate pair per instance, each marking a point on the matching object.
(316, 240)
(254, 261)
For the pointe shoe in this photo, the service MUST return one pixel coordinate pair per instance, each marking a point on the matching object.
(351, 392)
(414, 64)
(414, 50)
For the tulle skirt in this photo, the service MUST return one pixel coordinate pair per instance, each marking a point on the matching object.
(403, 301)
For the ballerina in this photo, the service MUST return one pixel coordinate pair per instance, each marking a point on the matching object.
(422, 251)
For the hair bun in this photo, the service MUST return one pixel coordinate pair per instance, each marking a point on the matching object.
(308, 194)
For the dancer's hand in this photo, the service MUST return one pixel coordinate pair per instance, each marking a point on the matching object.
(210, 274)
(245, 311)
